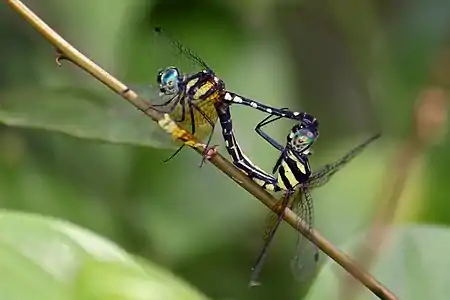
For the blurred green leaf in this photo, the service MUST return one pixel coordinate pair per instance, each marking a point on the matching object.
(411, 264)
(47, 256)
(80, 113)
(105, 280)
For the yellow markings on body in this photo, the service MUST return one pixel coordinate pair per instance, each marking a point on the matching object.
(202, 90)
(288, 172)
(191, 83)
(169, 126)
(270, 187)
(262, 183)
(202, 126)
(257, 180)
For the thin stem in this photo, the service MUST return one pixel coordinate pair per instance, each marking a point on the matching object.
(68, 52)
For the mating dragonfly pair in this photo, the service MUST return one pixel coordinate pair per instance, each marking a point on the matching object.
(197, 100)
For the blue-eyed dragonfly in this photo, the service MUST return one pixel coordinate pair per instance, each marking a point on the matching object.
(293, 176)
(195, 98)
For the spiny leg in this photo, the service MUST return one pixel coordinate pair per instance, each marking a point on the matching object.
(264, 135)
(304, 263)
(269, 234)
(182, 117)
(209, 151)
(176, 100)
(153, 106)
(174, 154)
(322, 176)
(163, 104)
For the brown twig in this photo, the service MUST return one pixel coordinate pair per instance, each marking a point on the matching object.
(429, 117)
(68, 52)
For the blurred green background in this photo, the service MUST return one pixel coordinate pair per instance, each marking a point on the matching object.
(358, 66)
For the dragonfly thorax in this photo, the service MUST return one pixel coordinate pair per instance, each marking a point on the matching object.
(205, 86)
(293, 170)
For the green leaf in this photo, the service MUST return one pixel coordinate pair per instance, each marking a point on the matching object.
(411, 264)
(105, 280)
(44, 258)
(80, 113)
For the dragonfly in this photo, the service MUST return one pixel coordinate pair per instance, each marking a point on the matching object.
(193, 99)
(293, 176)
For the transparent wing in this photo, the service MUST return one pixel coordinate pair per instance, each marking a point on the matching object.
(304, 263)
(321, 177)
(273, 221)
(163, 103)
(196, 116)
(177, 52)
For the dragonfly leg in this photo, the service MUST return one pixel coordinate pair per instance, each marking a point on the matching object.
(174, 154)
(209, 151)
(162, 104)
(183, 113)
(269, 119)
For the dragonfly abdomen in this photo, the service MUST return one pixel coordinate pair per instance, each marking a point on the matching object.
(269, 186)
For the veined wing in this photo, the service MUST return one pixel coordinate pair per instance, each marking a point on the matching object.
(184, 56)
(322, 176)
(272, 223)
(196, 116)
(304, 263)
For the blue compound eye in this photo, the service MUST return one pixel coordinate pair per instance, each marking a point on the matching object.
(168, 80)
(169, 75)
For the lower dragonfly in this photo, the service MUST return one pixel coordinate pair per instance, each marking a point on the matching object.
(293, 176)
(192, 100)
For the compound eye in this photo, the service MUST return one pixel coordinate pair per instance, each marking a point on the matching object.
(168, 80)
(303, 139)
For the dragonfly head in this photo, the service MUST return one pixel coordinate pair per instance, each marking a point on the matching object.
(303, 134)
(168, 80)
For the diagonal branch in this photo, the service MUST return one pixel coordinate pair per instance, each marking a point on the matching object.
(68, 52)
